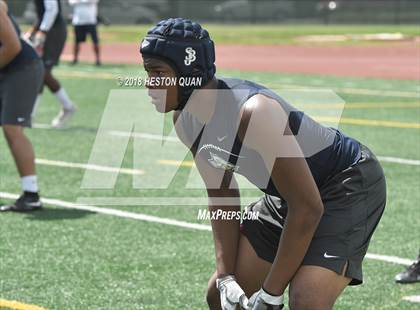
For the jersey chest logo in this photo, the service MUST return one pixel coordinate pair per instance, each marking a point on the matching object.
(220, 163)
(217, 161)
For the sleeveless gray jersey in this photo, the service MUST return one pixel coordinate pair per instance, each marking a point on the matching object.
(218, 143)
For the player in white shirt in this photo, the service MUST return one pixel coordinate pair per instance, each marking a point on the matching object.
(85, 19)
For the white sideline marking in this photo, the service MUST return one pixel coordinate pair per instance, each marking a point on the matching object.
(358, 91)
(414, 298)
(163, 201)
(141, 135)
(374, 92)
(114, 212)
(167, 221)
(58, 163)
(397, 160)
(118, 133)
(148, 136)
(41, 126)
(390, 259)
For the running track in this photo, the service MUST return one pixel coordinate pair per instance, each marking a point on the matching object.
(391, 61)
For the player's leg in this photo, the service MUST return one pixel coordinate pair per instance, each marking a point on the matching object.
(354, 201)
(95, 39)
(76, 46)
(21, 149)
(23, 155)
(50, 81)
(213, 297)
(17, 109)
(315, 288)
(250, 273)
(53, 48)
(68, 107)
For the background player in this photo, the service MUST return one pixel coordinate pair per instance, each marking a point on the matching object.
(49, 36)
(20, 67)
(319, 211)
(85, 19)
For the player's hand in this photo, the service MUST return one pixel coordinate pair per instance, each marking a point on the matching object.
(28, 37)
(261, 300)
(231, 294)
(39, 41)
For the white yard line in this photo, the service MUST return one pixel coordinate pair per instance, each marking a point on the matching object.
(397, 160)
(58, 163)
(167, 221)
(142, 135)
(390, 259)
(119, 133)
(374, 92)
(414, 298)
(64, 164)
(115, 212)
(149, 136)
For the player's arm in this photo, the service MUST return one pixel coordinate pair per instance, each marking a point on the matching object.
(50, 14)
(225, 232)
(10, 43)
(39, 32)
(292, 178)
(223, 193)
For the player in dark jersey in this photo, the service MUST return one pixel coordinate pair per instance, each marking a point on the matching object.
(324, 191)
(49, 36)
(20, 69)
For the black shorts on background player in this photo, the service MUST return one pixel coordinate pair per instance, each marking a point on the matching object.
(26, 72)
(16, 106)
(54, 44)
(81, 32)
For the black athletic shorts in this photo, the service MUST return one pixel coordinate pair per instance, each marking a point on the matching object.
(18, 91)
(81, 32)
(54, 44)
(354, 201)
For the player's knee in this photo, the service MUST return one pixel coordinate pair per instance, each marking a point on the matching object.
(299, 299)
(213, 297)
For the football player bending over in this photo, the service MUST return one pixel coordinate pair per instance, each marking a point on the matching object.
(324, 191)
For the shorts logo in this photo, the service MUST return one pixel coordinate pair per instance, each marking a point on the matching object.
(20, 119)
(330, 256)
(190, 57)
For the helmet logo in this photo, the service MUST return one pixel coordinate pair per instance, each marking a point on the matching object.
(190, 57)
(145, 43)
